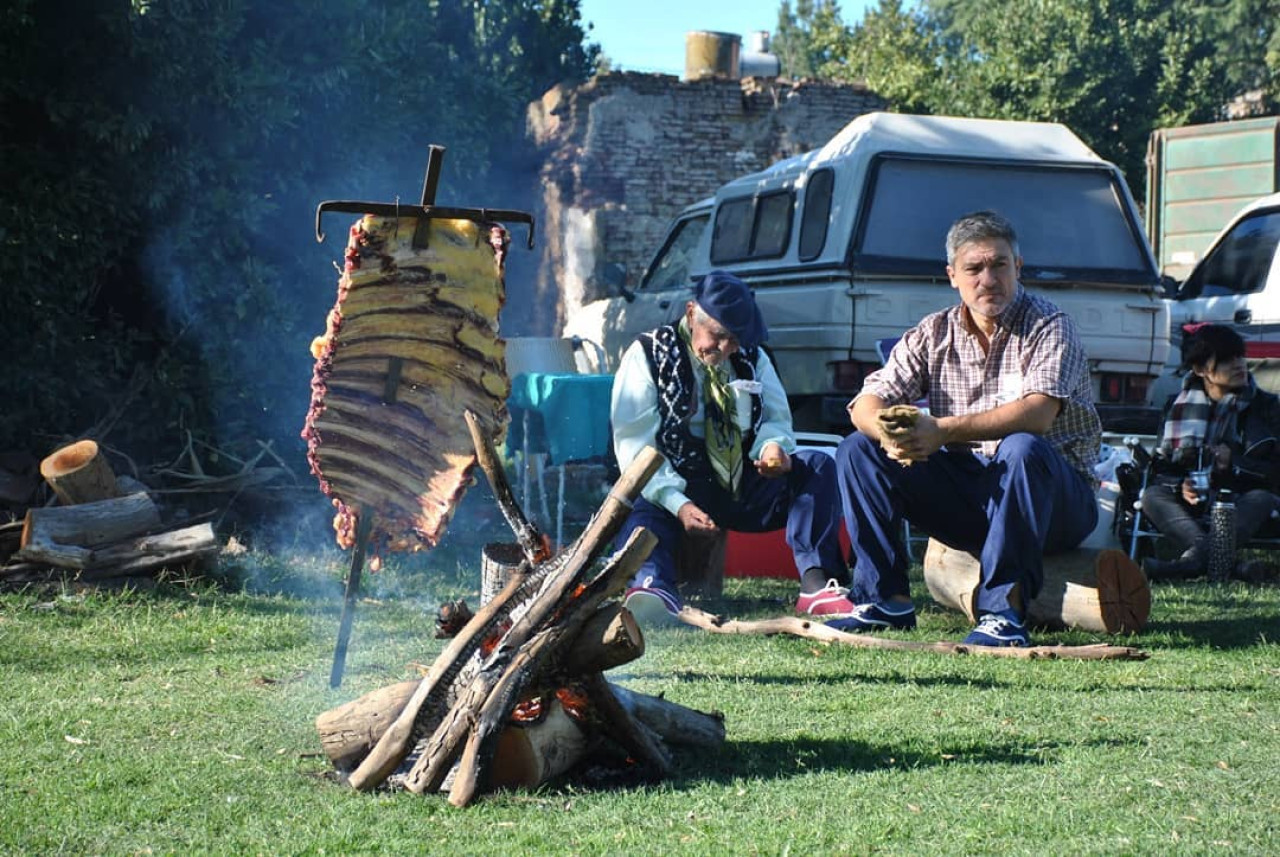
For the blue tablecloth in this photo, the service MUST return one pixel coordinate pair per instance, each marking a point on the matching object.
(568, 414)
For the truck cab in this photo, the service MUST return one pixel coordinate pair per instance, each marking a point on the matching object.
(844, 248)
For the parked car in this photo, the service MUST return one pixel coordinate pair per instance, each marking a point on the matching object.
(844, 247)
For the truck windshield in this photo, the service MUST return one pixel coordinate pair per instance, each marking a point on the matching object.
(1240, 262)
(1072, 222)
(670, 268)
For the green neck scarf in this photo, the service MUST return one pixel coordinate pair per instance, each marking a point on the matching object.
(720, 424)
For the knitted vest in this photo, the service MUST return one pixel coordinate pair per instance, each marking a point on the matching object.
(672, 370)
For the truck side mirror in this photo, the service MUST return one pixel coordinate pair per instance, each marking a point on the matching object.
(1169, 286)
(614, 275)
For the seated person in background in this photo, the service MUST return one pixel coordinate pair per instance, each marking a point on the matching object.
(704, 394)
(1001, 467)
(1223, 423)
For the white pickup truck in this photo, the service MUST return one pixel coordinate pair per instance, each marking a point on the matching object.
(844, 247)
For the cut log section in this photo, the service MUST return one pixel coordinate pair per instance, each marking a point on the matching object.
(672, 722)
(609, 639)
(529, 754)
(1093, 590)
(498, 562)
(79, 473)
(348, 732)
(65, 536)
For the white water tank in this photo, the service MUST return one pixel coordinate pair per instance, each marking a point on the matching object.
(756, 61)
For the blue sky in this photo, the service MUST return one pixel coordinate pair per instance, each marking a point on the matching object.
(648, 35)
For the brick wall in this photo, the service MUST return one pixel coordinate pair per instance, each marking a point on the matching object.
(624, 152)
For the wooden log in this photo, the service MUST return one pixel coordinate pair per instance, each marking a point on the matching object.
(673, 723)
(169, 549)
(498, 561)
(811, 630)
(610, 638)
(1090, 589)
(421, 711)
(616, 720)
(348, 732)
(529, 754)
(65, 536)
(79, 473)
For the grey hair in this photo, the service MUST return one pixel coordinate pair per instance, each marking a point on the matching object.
(979, 226)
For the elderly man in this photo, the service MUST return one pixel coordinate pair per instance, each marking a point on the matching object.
(1002, 463)
(704, 394)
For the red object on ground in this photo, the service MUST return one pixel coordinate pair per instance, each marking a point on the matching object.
(765, 554)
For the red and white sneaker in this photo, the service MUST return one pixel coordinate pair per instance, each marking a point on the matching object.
(830, 601)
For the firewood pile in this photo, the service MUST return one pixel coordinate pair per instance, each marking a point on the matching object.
(518, 696)
(104, 530)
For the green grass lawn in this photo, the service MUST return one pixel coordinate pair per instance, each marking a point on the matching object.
(181, 721)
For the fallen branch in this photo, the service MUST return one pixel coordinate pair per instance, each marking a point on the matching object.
(811, 630)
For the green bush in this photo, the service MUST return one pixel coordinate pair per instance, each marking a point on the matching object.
(161, 164)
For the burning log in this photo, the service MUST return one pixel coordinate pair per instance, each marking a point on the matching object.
(532, 749)
(554, 619)
(609, 638)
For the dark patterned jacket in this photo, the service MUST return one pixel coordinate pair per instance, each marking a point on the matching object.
(672, 369)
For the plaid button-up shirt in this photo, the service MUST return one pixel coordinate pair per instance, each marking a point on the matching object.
(1035, 349)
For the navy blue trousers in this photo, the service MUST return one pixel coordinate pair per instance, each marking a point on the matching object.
(1008, 511)
(805, 501)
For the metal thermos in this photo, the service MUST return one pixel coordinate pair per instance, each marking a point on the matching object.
(1222, 536)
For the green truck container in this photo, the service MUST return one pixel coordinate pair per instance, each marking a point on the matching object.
(1198, 176)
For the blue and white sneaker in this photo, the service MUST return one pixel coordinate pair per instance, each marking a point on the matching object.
(1005, 628)
(877, 617)
(653, 605)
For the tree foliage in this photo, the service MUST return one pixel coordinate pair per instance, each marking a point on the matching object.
(807, 36)
(161, 162)
(1112, 70)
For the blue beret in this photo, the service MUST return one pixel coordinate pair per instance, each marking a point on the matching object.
(728, 300)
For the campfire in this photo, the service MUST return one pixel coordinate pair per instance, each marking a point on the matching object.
(519, 696)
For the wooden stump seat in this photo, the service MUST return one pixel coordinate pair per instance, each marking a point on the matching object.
(1086, 588)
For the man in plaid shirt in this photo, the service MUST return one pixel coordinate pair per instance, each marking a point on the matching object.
(1001, 465)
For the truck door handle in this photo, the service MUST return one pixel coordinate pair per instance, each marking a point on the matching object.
(1243, 316)
(664, 303)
